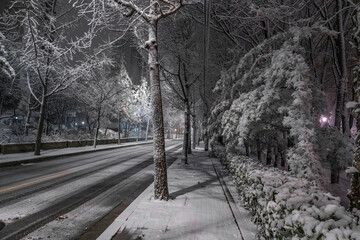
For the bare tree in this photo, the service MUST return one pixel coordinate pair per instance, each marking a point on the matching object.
(46, 54)
(103, 94)
(151, 14)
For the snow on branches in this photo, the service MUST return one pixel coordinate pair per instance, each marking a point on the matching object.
(272, 92)
(5, 67)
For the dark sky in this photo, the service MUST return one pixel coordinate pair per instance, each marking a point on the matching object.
(3, 4)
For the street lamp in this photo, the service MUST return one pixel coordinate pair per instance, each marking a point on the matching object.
(324, 119)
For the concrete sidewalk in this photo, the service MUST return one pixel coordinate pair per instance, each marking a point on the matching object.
(203, 205)
(7, 160)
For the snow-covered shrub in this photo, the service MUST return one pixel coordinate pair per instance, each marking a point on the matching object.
(286, 206)
(272, 94)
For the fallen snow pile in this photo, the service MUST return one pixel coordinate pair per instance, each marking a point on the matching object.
(286, 207)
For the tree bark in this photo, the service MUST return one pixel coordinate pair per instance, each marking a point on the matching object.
(187, 118)
(276, 152)
(207, 17)
(40, 123)
(97, 126)
(119, 129)
(206, 140)
(354, 193)
(258, 146)
(138, 132)
(283, 149)
(340, 111)
(268, 155)
(189, 150)
(194, 131)
(161, 191)
(147, 128)
(47, 129)
(247, 148)
(186, 132)
(28, 116)
(3, 95)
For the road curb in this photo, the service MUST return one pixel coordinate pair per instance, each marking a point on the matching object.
(47, 158)
(246, 229)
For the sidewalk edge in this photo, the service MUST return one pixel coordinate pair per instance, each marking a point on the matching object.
(246, 230)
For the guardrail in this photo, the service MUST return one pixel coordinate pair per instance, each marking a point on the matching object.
(29, 147)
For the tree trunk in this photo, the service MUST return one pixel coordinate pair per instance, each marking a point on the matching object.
(147, 128)
(161, 191)
(206, 138)
(40, 124)
(189, 140)
(186, 132)
(194, 130)
(334, 168)
(354, 193)
(198, 135)
(268, 155)
(47, 129)
(283, 149)
(67, 121)
(276, 160)
(3, 95)
(138, 132)
(119, 129)
(340, 113)
(28, 116)
(188, 126)
(97, 127)
(247, 148)
(258, 146)
(282, 158)
(334, 176)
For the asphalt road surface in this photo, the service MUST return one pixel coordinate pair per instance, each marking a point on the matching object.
(74, 197)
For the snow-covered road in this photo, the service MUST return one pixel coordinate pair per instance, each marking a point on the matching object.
(64, 198)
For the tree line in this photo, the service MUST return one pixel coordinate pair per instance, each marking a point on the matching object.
(257, 75)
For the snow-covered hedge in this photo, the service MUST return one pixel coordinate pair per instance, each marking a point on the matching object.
(287, 207)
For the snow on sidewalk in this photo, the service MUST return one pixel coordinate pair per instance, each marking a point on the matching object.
(198, 208)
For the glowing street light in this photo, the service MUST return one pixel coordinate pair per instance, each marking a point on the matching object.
(324, 119)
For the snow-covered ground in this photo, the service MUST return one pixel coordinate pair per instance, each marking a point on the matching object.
(198, 208)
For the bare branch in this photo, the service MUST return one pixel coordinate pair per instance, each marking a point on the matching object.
(133, 8)
(171, 11)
